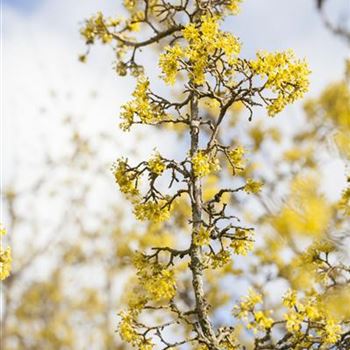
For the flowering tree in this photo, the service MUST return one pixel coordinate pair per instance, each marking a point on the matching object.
(175, 300)
(195, 258)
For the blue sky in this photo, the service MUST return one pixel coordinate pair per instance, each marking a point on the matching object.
(23, 5)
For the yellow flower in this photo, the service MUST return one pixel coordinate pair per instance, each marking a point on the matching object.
(262, 320)
(5, 257)
(202, 237)
(233, 6)
(220, 259)
(204, 42)
(5, 262)
(158, 281)
(230, 45)
(204, 164)
(202, 347)
(242, 242)
(290, 299)
(253, 186)
(312, 312)
(294, 321)
(209, 28)
(146, 345)
(128, 333)
(247, 304)
(134, 24)
(169, 63)
(140, 107)
(285, 76)
(124, 178)
(126, 329)
(154, 211)
(191, 33)
(236, 159)
(156, 165)
(331, 332)
(96, 27)
(161, 284)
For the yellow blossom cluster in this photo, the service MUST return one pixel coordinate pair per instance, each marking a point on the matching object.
(134, 7)
(243, 241)
(100, 28)
(156, 211)
(331, 331)
(96, 27)
(258, 320)
(130, 4)
(204, 43)
(247, 304)
(311, 311)
(202, 236)
(290, 299)
(253, 186)
(156, 165)
(160, 284)
(140, 107)
(134, 22)
(234, 6)
(293, 322)
(261, 321)
(157, 280)
(124, 178)
(285, 76)
(236, 159)
(204, 163)
(128, 180)
(5, 262)
(335, 101)
(220, 259)
(5, 258)
(128, 333)
(169, 63)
